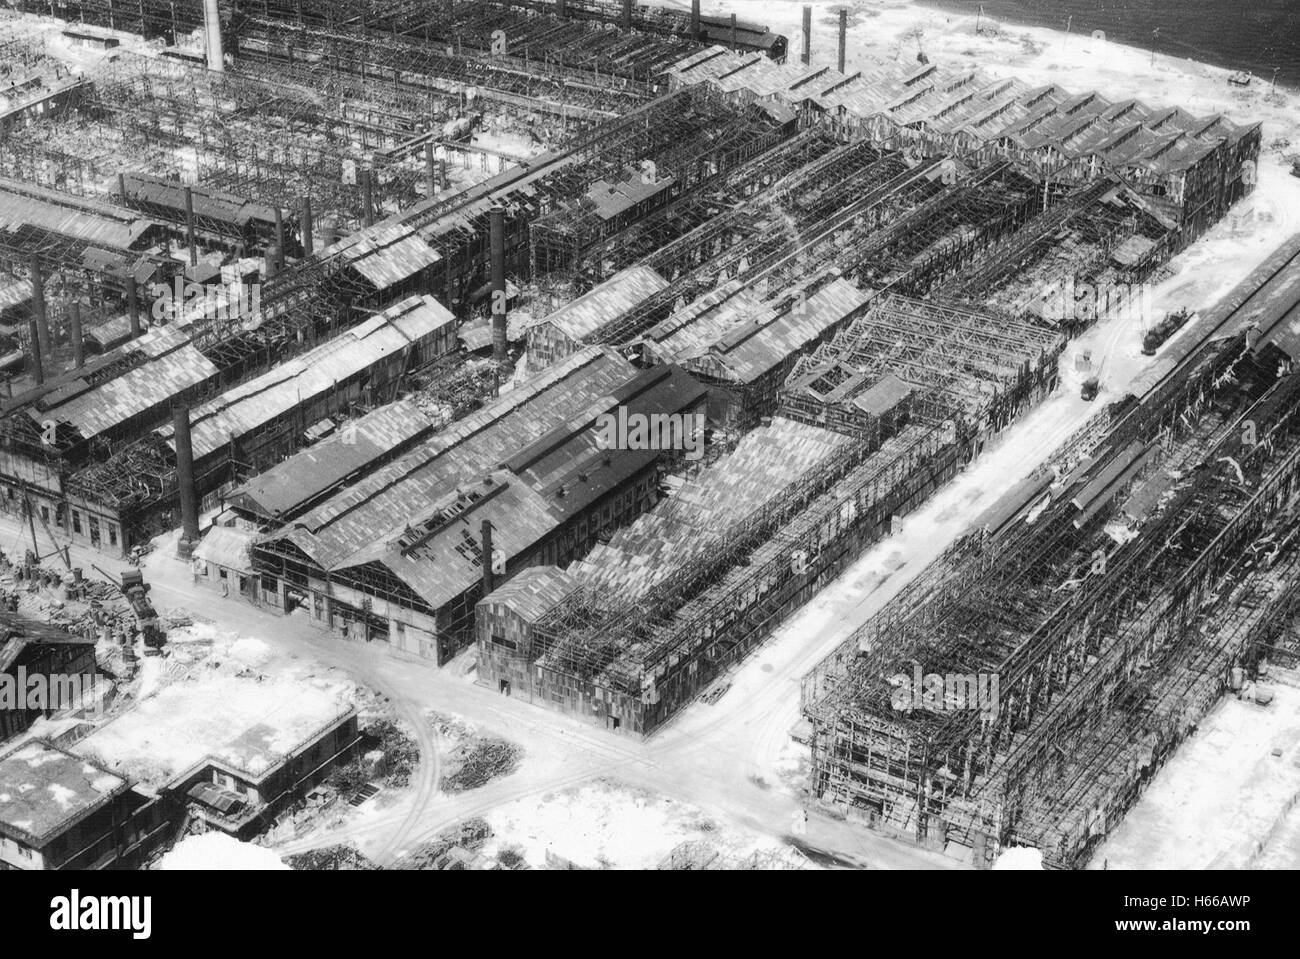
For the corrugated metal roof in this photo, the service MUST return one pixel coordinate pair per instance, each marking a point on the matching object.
(562, 474)
(532, 593)
(387, 254)
(739, 338)
(617, 295)
(611, 199)
(883, 395)
(569, 466)
(385, 501)
(207, 202)
(112, 332)
(477, 333)
(447, 559)
(923, 96)
(1286, 334)
(244, 408)
(229, 547)
(24, 205)
(173, 366)
(286, 488)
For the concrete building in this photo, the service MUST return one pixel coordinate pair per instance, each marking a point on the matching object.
(230, 750)
(59, 811)
(30, 98)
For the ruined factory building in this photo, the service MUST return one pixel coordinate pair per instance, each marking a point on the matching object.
(398, 555)
(557, 434)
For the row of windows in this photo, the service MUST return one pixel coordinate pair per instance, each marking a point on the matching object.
(90, 525)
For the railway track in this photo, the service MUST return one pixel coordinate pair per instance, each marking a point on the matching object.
(1268, 298)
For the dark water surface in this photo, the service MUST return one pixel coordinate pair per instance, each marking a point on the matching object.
(1254, 35)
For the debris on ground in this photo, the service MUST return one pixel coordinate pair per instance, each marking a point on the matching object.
(344, 856)
(399, 756)
(469, 758)
(458, 848)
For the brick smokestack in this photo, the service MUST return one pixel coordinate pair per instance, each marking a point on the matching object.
(34, 351)
(305, 227)
(38, 308)
(185, 475)
(695, 19)
(430, 170)
(133, 304)
(189, 226)
(627, 13)
(367, 199)
(844, 38)
(212, 35)
(489, 577)
(806, 56)
(279, 239)
(78, 338)
(500, 319)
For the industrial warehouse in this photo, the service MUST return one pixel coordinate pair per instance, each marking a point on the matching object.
(403, 397)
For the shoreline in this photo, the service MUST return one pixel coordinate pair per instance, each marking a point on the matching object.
(892, 31)
(1010, 14)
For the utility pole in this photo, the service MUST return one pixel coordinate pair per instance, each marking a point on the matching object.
(31, 524)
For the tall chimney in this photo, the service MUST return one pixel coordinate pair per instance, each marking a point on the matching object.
(695, 19)
(307, 247)
(185, 475)
(212, 35)
(121, 187)
(627, 13)
(500, 320)
(367, 199)
(189, 226)
(279, 238)
(844, 38)
(734, 43)
(78, 338)
(489, 577)
(38, 308)
(34, 351)
(806, 57)
(133, 304)
(430, 170)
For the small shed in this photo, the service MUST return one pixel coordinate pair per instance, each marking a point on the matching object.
(224, 560)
